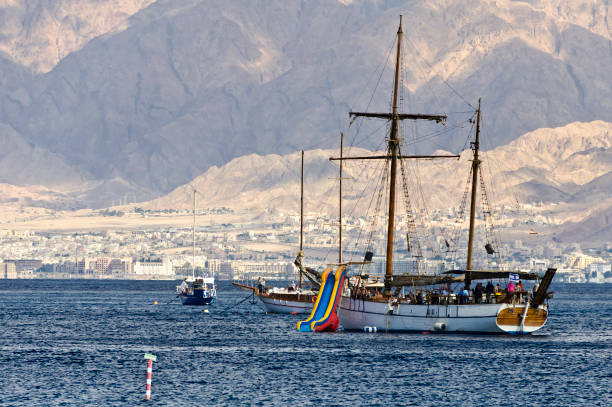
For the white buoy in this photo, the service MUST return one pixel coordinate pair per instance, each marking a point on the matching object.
(206, 310)
(440, 326)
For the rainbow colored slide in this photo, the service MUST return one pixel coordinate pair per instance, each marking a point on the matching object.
(323, 316)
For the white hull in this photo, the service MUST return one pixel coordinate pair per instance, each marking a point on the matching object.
(286, 306)
(361, 315)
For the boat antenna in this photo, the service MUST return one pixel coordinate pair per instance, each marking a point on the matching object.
(302, 213)
(193, 236)
(475, 164)
(340, 204)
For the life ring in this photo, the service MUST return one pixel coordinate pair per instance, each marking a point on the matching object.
(314, 299)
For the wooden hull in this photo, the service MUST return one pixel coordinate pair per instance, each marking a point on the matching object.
(364, 315)
(287, 304)
(512, 319)
(283, 302)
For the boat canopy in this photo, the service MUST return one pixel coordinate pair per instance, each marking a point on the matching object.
(422, 280)
(205, 280)
(495, 274)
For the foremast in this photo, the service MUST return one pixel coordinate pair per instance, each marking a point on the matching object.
(475, 165)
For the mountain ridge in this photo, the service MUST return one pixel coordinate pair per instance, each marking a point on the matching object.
(184, 85)
(254, 174)
(267, 187)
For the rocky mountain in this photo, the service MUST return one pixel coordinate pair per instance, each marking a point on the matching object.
(145, 96)
(37, 34)
(563, 171)
(594, 228)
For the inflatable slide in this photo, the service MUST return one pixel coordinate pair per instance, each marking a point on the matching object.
(323, 316)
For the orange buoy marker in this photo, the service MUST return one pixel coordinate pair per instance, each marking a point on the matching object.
(150, 358)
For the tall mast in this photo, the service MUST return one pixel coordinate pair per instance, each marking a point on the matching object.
(193, 236)
(302, 212)
(393, 147)
(475, 165)
(340, 203)
(393, 153)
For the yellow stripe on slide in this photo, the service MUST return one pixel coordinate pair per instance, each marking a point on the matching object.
(324, 277)
(332, 298)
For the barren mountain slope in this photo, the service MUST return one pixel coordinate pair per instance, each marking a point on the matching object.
(183, 85)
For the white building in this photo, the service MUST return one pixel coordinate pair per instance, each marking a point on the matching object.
(279, 270)
(599, 272)
(569, 275)
(154, 268)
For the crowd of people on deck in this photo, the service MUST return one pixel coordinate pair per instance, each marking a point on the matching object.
(489, 294)
(291, 288)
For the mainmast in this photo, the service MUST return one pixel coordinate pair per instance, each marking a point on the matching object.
(393, 153)
(475, 165)
(302, 213)
(393, 147)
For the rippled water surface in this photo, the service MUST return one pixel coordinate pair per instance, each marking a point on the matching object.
(82, 343)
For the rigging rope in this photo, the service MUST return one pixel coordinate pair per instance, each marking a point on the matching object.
(381, 191)
(435, 73)
(412, 234)
(352, 143)
(460, 217)
(490, 230)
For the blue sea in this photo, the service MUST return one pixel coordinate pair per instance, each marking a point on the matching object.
(81, 343)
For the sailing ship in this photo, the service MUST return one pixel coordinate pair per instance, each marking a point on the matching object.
(371, 306)
(293, 299)
(196, 290)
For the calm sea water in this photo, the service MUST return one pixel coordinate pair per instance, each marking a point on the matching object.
(75, 343)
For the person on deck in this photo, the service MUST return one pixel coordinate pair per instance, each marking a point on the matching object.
(512, 291)
(363, 292)
(183, 287)
(519, 289)
(463, 296)
(391, 304)
(478, 293)
(489, 290)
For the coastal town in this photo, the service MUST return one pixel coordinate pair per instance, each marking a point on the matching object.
(247, 250)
